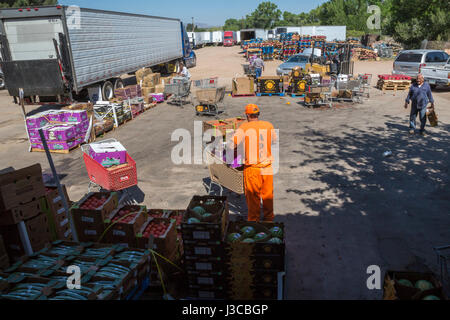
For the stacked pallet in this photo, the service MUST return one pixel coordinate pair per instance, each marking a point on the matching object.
(364, 54)
(397, 83)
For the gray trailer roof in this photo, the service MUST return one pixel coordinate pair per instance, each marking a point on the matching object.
(9, 13)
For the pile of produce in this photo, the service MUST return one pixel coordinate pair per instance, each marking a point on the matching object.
(249, 234)
(156, 229)
(94, 202)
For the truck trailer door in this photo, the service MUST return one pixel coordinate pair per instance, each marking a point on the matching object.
(33, 63)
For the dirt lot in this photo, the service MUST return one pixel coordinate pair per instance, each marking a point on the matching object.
(345, 206)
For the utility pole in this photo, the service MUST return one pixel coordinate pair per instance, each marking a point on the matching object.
(193, 25)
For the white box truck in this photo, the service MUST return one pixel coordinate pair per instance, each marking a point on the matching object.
(217, 37)
(59, 52)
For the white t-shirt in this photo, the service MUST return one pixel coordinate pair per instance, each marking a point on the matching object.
(185, 73)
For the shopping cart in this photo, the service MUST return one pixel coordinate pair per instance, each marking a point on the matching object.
(179, 90)
(366, 82)
(249, 70)
(350, 91)
(206, 83)
(208, 101)
(118, 178)
(317, 95)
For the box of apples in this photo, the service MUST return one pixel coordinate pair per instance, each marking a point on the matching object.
(159, 234)
(125, 223)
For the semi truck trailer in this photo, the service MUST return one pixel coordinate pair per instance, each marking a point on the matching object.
(57, 53)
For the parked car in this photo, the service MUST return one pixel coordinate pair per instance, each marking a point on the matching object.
(437, 75)
(298, 60)
(411, 62)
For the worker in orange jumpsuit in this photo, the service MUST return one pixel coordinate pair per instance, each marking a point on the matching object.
(257, 137)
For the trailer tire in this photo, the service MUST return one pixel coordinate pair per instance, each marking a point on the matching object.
(2, 83)
(118, 84)
(107, 90)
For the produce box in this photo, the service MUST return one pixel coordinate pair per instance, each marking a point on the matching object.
(146, 91)
(175, 216)
(21, 187)
(61, 133)
(218, 126)
(243, 86)
(75, 116)
(36, 288)
(159, 88)
(207, 292)
(159, 234)
(199, 278)
(159, 97)
(38, 229)
(404, 285)
(135, 91)
(63, 145)
(228, 176)
(205, 264)
(108, 154)
(269, 84)
(90, 213)
(207, 249)
(123, 93)
(20, 213)
(142, 73)
(151, 80)
(125, 223)
(36, 122)
(211, 227)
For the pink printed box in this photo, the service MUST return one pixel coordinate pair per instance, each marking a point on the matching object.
(55, 116)
(61, 133)
(108, 154)
(159, 97)
(75, 116)
(63, 145)
(36, 122)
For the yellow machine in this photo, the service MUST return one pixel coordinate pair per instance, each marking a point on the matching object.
(323, 70)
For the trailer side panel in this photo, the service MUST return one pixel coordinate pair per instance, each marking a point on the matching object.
(108, 44)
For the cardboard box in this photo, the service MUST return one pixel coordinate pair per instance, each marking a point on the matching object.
(2, 247)
(243, 86)
(164, 245)
(21, 187)
(125, 232)
(159, 88)
(151, 80)
(146, 91)
(20, 213)
(142, 73)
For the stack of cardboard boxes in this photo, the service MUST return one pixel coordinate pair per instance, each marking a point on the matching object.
(21, 192)
(4, 260)
(58, 219)
(152, 84)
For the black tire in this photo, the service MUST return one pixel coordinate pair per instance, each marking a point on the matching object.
(194, 62)
(118, 83)
(107, 90)
(2, 83)
(433, 86)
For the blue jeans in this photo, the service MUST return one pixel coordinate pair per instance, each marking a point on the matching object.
(258, 72)
(423, 117)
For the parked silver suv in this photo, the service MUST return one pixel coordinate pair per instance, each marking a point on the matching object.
(410, 62)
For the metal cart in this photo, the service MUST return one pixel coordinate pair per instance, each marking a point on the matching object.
(366, 82)
(317, 95)
(208, 101)
(206, 83)
(353, 90)
(249, 70)
(179, 90)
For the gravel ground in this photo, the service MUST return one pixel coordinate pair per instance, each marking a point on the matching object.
(345, 206)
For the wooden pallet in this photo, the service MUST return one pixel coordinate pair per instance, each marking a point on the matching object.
(242, 95)
(394, 87)
(260, 94)
(57, 151)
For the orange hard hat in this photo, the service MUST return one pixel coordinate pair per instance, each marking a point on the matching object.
(251, 109)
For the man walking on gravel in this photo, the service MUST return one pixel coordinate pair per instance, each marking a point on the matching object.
(420, 95)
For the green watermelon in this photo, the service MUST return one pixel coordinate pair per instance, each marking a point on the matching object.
(405, 283)
(248, 232)
(234, 237)
(276, 241)
(260, 236)
(210, 202)
(199, 210)
(207, 215)
(277, 232)
(431, 298)
(193, 221)
(424, 285)
(248, 240)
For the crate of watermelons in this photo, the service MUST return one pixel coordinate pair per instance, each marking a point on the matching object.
(412, 286)
(206, 219)
(263, 238)
(125, 223)
(160, 234)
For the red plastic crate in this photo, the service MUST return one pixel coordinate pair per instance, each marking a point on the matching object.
(117, 179)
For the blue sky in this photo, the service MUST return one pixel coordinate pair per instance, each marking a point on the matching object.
(211, 12)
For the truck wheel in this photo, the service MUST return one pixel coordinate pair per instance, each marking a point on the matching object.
(118, 83)
(194, 62)
(2, 83)
(433, 86)
(107, 90)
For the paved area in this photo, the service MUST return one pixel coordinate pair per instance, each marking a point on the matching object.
(345, 206)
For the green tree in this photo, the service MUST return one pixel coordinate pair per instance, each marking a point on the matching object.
(26, 3)
(232, 25)
(265, 16)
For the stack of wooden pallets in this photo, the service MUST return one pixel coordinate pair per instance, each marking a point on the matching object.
(397, 85)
